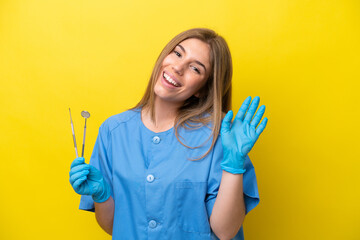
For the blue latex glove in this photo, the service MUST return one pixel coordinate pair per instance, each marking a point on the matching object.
(88, 180)
(239, 137)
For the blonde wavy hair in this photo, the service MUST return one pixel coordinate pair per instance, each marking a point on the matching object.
(215, 96)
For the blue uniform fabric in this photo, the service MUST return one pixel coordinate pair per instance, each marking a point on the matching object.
(159, 193)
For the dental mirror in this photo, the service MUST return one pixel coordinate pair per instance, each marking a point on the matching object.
(86, 115)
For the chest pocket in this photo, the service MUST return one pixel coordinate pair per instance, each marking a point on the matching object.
(191, 209)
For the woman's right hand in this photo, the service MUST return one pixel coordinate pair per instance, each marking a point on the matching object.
(88, 180)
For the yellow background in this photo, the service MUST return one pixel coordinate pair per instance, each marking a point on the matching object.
(300, 56)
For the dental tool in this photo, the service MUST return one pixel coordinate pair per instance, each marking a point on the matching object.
(86, 115)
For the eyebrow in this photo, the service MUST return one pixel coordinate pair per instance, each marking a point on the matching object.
(183, 49)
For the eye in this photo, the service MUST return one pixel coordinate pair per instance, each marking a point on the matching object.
(196, 69)
(177, 53)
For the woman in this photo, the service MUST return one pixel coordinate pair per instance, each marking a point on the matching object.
(159, 170)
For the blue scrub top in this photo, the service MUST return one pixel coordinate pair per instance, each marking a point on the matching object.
(159, 193)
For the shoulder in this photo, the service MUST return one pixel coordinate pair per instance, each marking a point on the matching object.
(196, 135)
(117, 120)
(202, 125)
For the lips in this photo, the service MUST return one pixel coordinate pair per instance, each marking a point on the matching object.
(170, 80)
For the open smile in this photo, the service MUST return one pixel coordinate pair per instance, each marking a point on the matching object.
(170, 80)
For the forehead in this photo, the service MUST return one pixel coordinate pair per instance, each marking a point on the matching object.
(197, 49)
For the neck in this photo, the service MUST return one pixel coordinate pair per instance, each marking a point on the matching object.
(165, 114)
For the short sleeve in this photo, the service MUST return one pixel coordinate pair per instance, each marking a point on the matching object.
(250, 188)
(100, 159)
(214, 177)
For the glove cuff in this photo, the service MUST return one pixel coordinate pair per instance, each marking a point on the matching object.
(233, 162)
(104, 194)
(232, 170)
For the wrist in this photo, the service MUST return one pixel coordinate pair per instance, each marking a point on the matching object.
(104, 193)
(233, 162)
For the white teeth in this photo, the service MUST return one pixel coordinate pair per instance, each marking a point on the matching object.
(170, 80)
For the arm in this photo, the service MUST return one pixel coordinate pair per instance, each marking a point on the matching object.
(104, 213)
(229, 209)
(237, 138)
(88, 180)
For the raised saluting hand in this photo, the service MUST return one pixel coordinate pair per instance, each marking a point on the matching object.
(238, 137)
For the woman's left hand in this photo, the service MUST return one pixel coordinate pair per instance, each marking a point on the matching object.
(239, 137)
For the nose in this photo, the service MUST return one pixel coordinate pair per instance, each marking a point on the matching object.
(178, 68)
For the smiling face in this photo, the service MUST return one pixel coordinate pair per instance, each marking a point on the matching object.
(184, 71)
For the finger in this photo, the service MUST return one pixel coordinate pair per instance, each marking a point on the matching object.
(78, 183)
(241, 113)
(252, 109)
(78, 175)
(226, 122)
(79, 168)
(261, 127)
(77, 161)
(259, 114)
